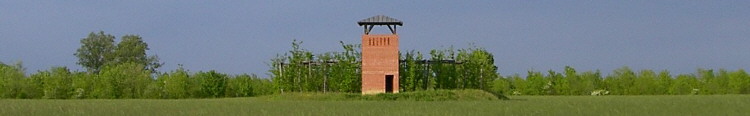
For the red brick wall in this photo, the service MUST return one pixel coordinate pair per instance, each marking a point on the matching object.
(379, 58)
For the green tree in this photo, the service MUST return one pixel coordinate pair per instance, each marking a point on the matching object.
(349, 75)
(281, 82)
(83, 85)
(58, 83)
(260, 86)
(739, 82)
(684, 84)
(622, 81)
(127, 80)
(295, 73)
(572, 81)
(133, 49)
(240, 86)
(177, 84)
(422, 74)
(664, 83)
(712, 83)
(212, 84)
(408, 72)
(477, 70)
(96, 51)
(11, 81)
(300, 70)
(645, 83)
(720, 83)
(155, 89)
(501, 86)
(535, 83)
(486, 67)
(518, 84)
(591, 81)
(35, 84)
(556, 84)
(443, 71)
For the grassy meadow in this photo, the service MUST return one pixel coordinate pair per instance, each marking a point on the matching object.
(517, 105)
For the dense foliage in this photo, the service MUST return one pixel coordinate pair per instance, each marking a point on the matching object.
(472, 68)
(99, 50)
(128, 80)
(625, 81)
(125, 70)
(301, 71)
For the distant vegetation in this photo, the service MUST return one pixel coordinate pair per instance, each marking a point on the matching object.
(625, 81)
(300, 70)
(124, 70)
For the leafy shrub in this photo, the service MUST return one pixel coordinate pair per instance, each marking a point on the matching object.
(57, 83)
(128, 80)
(211, 83)
(177, 84)
(11, 81)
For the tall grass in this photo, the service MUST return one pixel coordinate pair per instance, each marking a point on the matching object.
(708, 105)
(430, 95)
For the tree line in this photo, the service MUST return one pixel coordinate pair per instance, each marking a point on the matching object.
(300, 70)
(126, 81)
(115, 70)
(625, 81)
(123, 70)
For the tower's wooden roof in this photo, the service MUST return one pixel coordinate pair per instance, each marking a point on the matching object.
(380, 20)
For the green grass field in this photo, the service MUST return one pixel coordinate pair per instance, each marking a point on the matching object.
(720, 105)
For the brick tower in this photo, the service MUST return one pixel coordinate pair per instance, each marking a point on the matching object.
(380, 56)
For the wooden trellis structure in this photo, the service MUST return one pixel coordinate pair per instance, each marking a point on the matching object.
(326, 74)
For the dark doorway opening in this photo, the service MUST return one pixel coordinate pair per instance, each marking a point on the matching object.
(389, 83)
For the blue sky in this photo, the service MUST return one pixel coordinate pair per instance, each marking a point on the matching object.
(238, 37)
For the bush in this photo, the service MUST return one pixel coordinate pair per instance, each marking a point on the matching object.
(177, 84)
(83, 85)
(239, 86)
(128, 80)
(211, 83)
(57, 83)
(11, 81)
